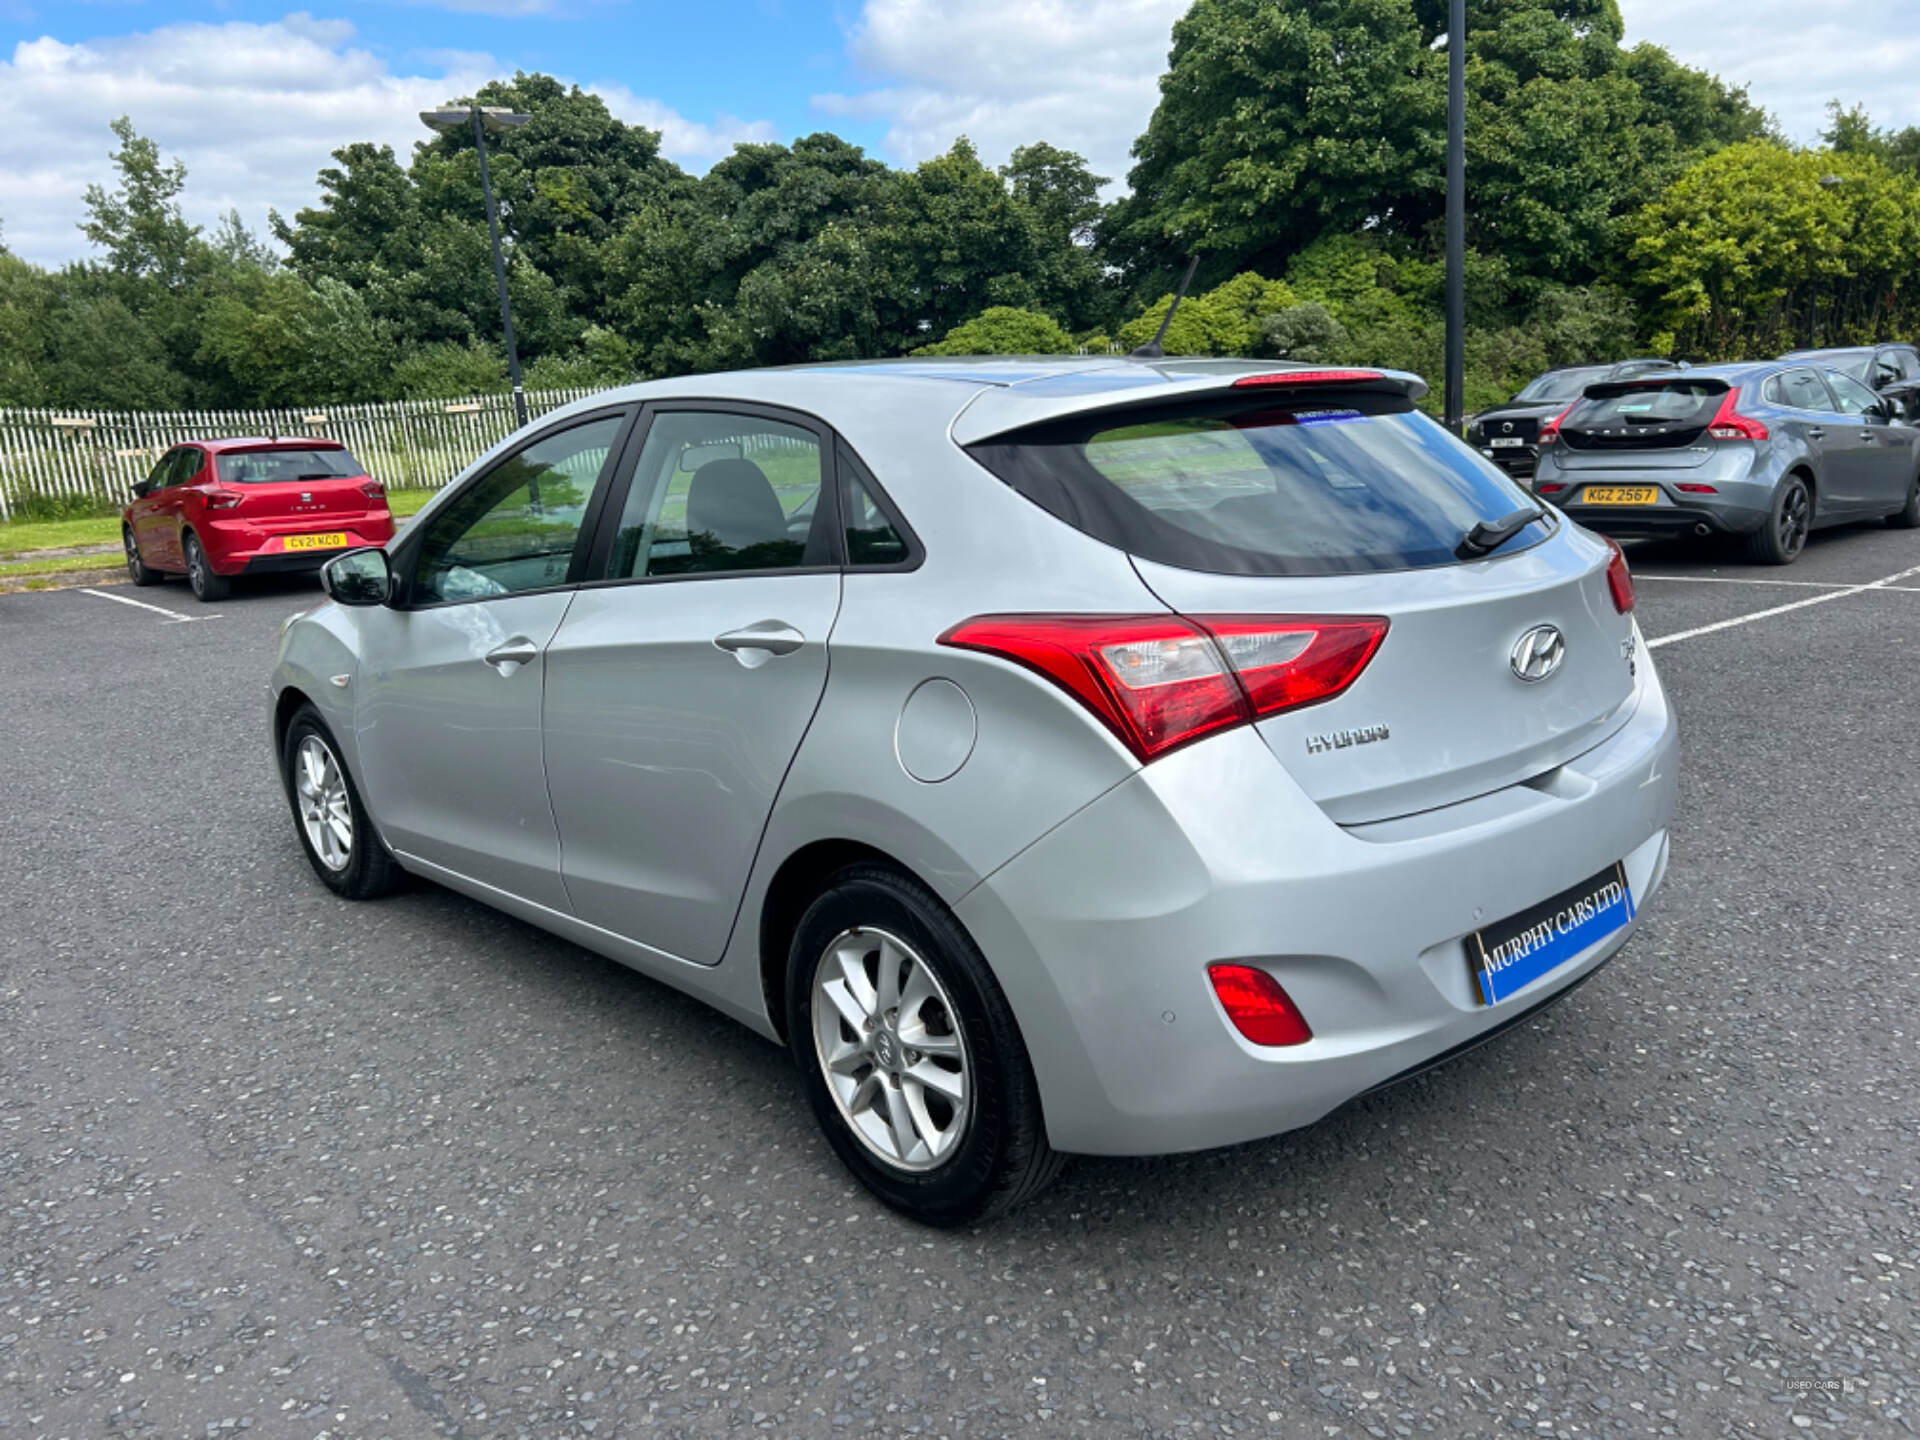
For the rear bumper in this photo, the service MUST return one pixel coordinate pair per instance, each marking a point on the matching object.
(1666, 520)
(234, 548)
(1100, 933)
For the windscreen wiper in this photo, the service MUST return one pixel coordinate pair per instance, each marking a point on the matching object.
(1488, 535)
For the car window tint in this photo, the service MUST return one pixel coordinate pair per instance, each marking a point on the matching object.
(871, 536)
(162, 470)
(715, 492)
(1804, 391)
(1908, 362)
(514, 529)
(186, 464)
(1852, 397)
(280, 466)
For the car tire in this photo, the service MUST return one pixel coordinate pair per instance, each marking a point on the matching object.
(1783, 536)
(322, 794)
(138, 571)
(972, 1070)
(207, 586)
(1907, 517)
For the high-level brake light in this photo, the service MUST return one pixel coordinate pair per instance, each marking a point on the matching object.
(1307, 377)
(1162, 681)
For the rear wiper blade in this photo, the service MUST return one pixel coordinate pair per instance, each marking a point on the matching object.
(1492, 534)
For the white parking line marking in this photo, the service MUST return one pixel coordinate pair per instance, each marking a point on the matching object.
(1884, 583)
(1737, 580)
(172, 615)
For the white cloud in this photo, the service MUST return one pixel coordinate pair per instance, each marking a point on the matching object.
(688, 142)
(1082, 74)
(255, 110)
(1793, 56)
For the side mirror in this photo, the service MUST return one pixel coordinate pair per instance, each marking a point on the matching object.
(359, 577)
(141, 488)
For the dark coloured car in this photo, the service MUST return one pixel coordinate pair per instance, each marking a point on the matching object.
(1508, 434)
(1890, 371)
(1767, 452)
(214, 509)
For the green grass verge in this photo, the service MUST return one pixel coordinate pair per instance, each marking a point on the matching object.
(58, 565)
(25, 536)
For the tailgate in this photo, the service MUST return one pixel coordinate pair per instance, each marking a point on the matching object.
(1440, 715)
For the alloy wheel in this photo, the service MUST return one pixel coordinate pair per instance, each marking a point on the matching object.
(196, 566)
(890, 1046)
(133, 553)
(325, 811)
(1795, 517)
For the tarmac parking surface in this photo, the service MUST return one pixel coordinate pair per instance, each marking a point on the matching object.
(275, 1163)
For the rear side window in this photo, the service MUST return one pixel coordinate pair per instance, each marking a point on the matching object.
(1326, 485)
(281, 466)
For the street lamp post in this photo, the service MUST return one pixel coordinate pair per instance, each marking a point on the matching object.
(1456, 216)
(484, 118)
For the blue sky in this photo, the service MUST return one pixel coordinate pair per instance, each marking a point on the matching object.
(253, 95)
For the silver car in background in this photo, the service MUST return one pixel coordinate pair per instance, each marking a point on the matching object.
(1058, 756)
(1764, 452)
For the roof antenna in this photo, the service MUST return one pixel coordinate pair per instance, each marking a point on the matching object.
(1151, 350)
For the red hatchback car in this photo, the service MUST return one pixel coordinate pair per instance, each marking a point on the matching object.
(214, 509)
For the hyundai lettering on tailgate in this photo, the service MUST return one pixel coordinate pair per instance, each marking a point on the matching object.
(1522, 948)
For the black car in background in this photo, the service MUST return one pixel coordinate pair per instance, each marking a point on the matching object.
(1891, 371)
(1508, 434)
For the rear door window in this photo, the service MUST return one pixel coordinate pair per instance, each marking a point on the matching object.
(1803, 390)
(1331, 484)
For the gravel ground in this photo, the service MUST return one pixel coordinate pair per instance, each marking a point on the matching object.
(274, 1163)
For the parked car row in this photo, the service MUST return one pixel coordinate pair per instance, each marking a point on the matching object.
(1056, 756)
(1766, 452)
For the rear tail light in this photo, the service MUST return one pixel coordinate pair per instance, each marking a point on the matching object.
(1550, 432)
(1730, 424)
(1257, 1006)
(219, 499)
(1162, 681)
(1697, 489)
(1307, 377)
(373, 490)
(1620, 579)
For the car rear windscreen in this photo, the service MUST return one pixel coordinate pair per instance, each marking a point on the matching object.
(266, 467)
(1559, 386)
(1325, 484)
(1640, 413)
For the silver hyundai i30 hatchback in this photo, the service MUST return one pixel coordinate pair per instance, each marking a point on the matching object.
(1059, 756)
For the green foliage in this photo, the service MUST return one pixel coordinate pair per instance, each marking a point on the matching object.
(1224, 321)
(445, 371)
(1754, 245)
(1003, 330)
(138, 223)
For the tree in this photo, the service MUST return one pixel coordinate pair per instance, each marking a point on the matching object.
(1740, 253)
(138, 223)
(1003, 330)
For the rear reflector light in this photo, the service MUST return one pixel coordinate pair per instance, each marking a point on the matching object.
(1697, 489)
(1730, 424)
(1307, 377)
(1550, 432)
(1257, 1006)
(1162, 681)
(373, 490)
(1552, 489)
(1620, 579)
(223, 499)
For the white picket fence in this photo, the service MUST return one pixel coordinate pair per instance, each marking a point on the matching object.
(99, 454)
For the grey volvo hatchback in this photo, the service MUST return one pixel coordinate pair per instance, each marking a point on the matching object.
(1765, 452)
(1077, 755)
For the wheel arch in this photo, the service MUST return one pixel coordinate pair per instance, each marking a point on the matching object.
(801, 878)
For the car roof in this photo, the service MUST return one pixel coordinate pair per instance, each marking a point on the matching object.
(265, 442)
(1838, 350)
(970, 397)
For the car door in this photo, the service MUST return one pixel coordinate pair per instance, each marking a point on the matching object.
(689, 667)
(1878, 456)
(170, 504)
(1898, 380)
(146, 515)
(452, 677)
(1812, 421)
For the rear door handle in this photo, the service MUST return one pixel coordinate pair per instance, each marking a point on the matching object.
(511, 656)
(775, 637)
(1816, 434)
